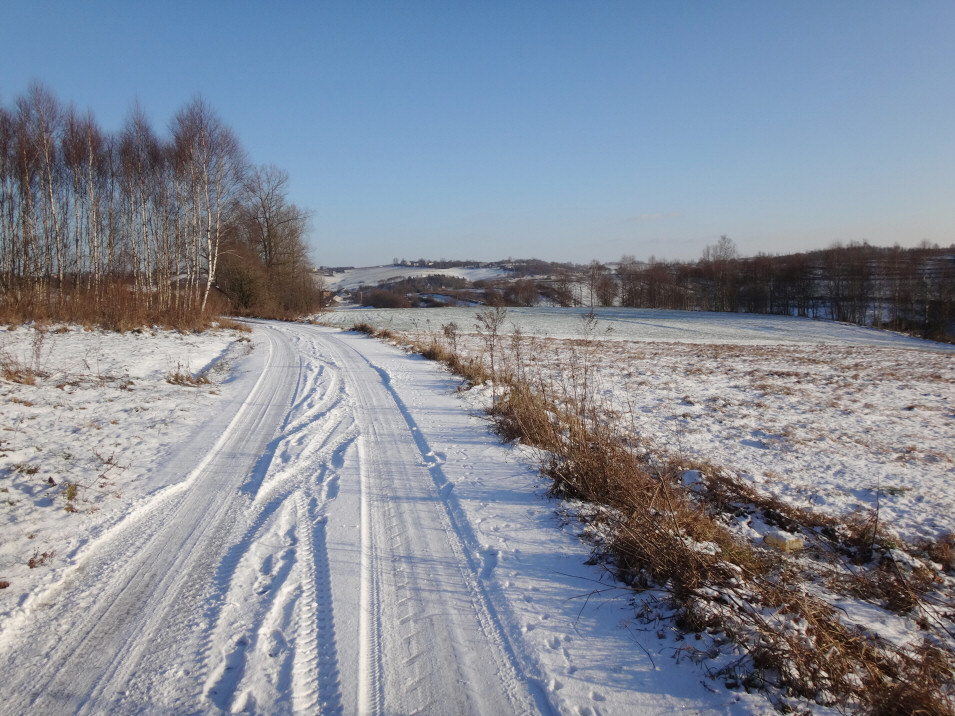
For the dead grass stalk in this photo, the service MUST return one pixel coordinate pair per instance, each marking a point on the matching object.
(657, 532)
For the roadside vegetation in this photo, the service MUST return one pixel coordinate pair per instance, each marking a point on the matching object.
(789, 614)
(130, 228)
(85, 415)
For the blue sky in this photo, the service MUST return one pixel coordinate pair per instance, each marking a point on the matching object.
(560, 130)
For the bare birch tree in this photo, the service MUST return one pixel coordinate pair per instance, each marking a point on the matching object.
(213, 162)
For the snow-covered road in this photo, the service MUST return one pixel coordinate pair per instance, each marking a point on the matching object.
(349, 539)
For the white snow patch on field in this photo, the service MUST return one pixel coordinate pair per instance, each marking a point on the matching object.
(100, 416)
(372, 275)
(631, 324)
(837, 429)
(826, 416)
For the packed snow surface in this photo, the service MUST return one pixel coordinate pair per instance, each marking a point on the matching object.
(323, 527)
(373, 275)
(825, 416)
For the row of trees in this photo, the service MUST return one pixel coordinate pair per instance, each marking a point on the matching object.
(904, 289)
(911, 290)
(170, 223)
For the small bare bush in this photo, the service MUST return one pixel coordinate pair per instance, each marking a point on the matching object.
(364, 327)
(942, 551)
(182, 376)
(40, 559)
(229, 324)
(20, 371)
(435, 352)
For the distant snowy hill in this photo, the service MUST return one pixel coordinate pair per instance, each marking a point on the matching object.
(372, 275)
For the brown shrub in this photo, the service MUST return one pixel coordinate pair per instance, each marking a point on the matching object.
(229, 324)
(942, 551)
(920, 685)
(658, 532)
(114, 306)
(181, 376)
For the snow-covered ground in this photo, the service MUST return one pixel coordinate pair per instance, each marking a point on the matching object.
(101, 416)
(839, 420)
(372, 275)
(621, 324)
(827, 416)
(324, 527)
(327, 526)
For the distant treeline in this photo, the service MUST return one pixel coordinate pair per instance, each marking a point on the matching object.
(910, 290)
(904, 289)
(130, 227)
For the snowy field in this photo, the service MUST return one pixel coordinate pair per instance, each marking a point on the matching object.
(634, 324)
(79, 446)
(842, 421)
(372, 275)
(822, 415)
(323, 527)
(98, 447)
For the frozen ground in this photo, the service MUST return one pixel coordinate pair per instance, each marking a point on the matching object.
(642, 325)
(847, 422)
(828, 416)
(324, 527)
(101, 416)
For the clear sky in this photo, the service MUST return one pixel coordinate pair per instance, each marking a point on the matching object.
(559, 130)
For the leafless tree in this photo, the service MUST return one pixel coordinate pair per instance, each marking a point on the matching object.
(135, 217)
(717, 265)
(602, 285)
(564, 288)
(212, 165)
(275, 227)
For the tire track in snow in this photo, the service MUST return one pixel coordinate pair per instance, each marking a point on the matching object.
(466, 548)
(320, 663)
(440, 643)
(302, 479)
(239, 590)
(136, 590)
(262, 597)
(370, 692)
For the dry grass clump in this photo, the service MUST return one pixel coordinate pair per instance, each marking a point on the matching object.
(919, 681)
(724, 493)
(182, 376)
(368, 329)
(113, 306)
(22, 371)
(889, 585)
(364, 327)
(941, 551)
(435, 351)
(472, 370)
(38, 559)
(14, 371)
(523, 414)
(657, 532)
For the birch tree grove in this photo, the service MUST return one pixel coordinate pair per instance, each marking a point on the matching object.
(212, 164)
(94, 225)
